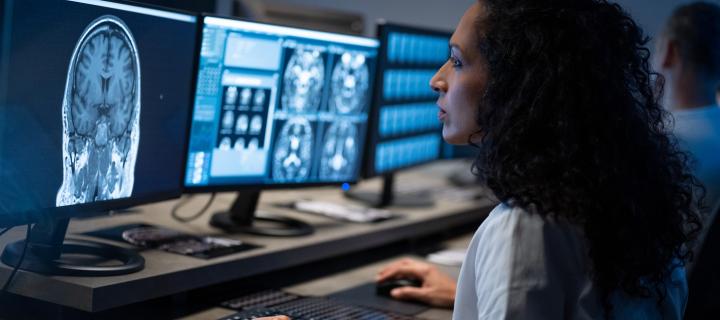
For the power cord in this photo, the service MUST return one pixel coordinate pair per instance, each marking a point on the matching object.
(182, 202)
(22, 257)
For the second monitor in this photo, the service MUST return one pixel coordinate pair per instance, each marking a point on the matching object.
(277, 107)
(405, 130)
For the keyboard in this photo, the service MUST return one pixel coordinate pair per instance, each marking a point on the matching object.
(344, 212)
(274, 302)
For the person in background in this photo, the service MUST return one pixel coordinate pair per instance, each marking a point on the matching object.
(688, 56)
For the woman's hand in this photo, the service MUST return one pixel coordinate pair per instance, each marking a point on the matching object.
(437, 288)
(273, 318)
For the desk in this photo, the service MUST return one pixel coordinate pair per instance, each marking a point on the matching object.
(168, 274)
(350, 278)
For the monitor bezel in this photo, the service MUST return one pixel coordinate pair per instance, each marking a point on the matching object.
(372, 139)
(284, 185)
(98, 207)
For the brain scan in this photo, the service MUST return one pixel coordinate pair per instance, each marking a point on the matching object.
(228, 120)
(225, 143)
(259, 98)
(350, 81)
(293, 151)
(339, 152)
(101, 115)
(254, 144)
(303, 81)
(241, 125)
(245, 96)
(239, 144)
(231, 95)
(256, 125)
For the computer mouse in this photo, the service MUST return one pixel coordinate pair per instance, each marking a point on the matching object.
(383, 288)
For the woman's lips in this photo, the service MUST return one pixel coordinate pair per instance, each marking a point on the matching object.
(442, 114)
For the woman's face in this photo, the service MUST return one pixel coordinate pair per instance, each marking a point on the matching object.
(461, 81)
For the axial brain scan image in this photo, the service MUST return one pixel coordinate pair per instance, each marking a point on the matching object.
(350, 81)
(339, 152)
(293, 152)
(303, 81)
(101, 115)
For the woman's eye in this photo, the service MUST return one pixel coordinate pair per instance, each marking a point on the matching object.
(455, 62)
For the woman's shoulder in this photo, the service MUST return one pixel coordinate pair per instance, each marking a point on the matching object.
(508, 221)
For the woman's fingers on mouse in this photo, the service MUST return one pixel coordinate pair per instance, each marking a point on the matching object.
(392, 269)
(410, 293)
(412, 271)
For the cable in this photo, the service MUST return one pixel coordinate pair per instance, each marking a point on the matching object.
(22, 258)
(195, 216)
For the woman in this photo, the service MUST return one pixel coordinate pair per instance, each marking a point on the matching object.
(596, 213)
(596, 216)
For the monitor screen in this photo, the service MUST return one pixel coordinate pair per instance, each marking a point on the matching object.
(278, 106)
(406, 130)
(94, 104)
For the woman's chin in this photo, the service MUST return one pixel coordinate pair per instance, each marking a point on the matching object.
(453, 138)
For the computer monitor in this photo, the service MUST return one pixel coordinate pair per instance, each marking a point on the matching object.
(405, 130)
(276, 107)
(95, 102)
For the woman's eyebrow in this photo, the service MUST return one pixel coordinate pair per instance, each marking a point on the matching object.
(455, 46)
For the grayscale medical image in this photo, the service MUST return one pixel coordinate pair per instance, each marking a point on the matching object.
(101, 115)
(339, 152)
(245, 97)
(225, 143)
(303, 81)
(349, 85)
(231, 95)
(293, 151)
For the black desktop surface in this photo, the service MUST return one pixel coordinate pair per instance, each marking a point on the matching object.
(95, 105)
(404, 129)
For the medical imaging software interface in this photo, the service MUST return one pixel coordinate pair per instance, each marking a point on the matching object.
(95, 104)
(277, 105)
(408, 131)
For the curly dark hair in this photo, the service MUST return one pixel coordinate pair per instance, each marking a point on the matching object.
(572, 128)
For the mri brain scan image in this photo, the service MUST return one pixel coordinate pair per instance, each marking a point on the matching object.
(239, 144)
(339, 152)
(231, 95)
(245, 97)
(303, 81)
(101, 115)
(256, 125)
(350, 81)
(260, 98)
(241, 125)
(225, 143)
(293, 151)
(254, 143)
(228, 120)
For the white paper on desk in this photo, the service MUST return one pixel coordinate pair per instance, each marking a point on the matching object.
(448, 257)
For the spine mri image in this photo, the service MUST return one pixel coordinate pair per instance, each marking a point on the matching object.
(101, 115)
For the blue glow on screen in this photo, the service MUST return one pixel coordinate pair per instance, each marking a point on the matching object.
(279, 105)
(408, 129)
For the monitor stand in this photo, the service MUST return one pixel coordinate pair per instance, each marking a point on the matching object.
(389, 197)
(49, 253)
(242, 219)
